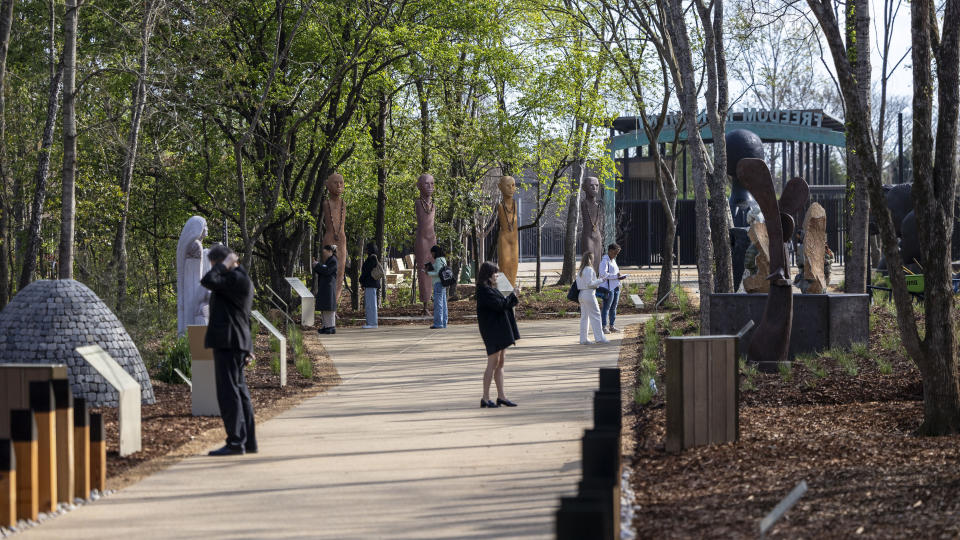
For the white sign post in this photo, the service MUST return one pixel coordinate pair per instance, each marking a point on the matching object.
(203, 374)
(307, 301)
(283, 344)
(129, 395)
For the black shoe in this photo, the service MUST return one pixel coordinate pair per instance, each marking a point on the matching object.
(250, 449)
(506, 402)
(323, 330)
(227, 450)
(434, 327)
(486, 403)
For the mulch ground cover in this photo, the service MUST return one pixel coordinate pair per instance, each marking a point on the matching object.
(843, 422)
(168, 425)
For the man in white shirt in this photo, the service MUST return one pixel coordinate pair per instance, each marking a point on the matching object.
(611, 276)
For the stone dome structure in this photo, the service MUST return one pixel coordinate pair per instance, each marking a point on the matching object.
(48, 319)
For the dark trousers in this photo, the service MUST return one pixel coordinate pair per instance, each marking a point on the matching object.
(233, 396)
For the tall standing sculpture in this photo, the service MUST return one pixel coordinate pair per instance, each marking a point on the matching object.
(334, 218)
(592, 215)
(508, 240)
(771, 339)
(193, 301)
(426, 235)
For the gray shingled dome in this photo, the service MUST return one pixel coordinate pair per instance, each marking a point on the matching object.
(48, 319)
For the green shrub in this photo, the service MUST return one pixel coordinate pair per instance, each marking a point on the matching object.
(174, 356)
(683, 300)
(275, 356)
(301, 360)
(643, 393)
(810, 362)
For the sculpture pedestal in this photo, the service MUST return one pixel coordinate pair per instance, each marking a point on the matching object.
(203, 376)
(820, 321)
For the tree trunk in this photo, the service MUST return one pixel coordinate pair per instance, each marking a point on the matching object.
(378, 132)
(139, 102)
(32, 250)
(573, 221)
(69, 206)
(6, 23)
(716, 96)
(858, 203)
(687, 94)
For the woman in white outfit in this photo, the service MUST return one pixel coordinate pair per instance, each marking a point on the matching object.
(587, 283)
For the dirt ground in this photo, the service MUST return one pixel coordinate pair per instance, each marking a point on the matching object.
(170, 431)
(843, 423)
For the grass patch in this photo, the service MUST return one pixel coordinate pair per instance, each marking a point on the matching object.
(301, 360)
(786, 371)
(813, 365)
(647, 379)
(846, 360)
(749, 372)
(650, 293)
(651, 340)
(884, 366)
(275, 356)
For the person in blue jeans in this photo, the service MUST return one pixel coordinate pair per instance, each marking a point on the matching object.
(439, 291)
(370, 285)
(611, 276)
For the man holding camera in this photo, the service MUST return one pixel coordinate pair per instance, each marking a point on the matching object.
(228, 334)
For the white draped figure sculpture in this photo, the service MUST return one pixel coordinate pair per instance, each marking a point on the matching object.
(193, 300)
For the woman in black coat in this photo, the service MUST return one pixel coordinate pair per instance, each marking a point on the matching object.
(325, 276)
(370, 286)
(498, 328)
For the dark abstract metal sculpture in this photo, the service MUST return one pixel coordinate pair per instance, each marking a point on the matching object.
(771, 339)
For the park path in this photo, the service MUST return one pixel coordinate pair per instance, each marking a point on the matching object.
(400, 450)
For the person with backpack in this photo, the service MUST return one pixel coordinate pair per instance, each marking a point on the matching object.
(434, 270)
(370, 275)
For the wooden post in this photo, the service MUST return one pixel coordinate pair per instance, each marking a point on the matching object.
(8, 484)
(23, 429)
(81, 449)
(44, 411)
(63, 396)
(98, 453)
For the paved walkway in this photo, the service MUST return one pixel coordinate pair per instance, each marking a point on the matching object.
(400, 450)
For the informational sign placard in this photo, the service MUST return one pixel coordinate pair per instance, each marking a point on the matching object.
(128, 389)
(307, 301)
(203, 375)
(283, 344)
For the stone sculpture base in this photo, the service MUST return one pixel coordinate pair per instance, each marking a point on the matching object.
(820, 321)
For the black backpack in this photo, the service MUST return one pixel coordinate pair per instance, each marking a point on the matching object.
(446, 277)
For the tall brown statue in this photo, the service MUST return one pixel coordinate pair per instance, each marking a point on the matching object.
(426, 236)
(592, 215)
(334, 218)
(508, 243)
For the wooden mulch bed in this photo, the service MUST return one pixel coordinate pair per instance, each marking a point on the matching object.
(844, 424)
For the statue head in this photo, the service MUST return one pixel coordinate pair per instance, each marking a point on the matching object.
(425, 185)
(335, 185)
(508, 186)
(591, 186)
(194, 230)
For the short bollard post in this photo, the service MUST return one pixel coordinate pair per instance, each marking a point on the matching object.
(44, 412)
(606, 411)
(63, 397)
(610, 380)
(8, 484)
(582, 517)
(98, 453)
(81, 449)
(23, 429)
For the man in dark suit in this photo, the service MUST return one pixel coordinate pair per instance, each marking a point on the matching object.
(229, 336)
